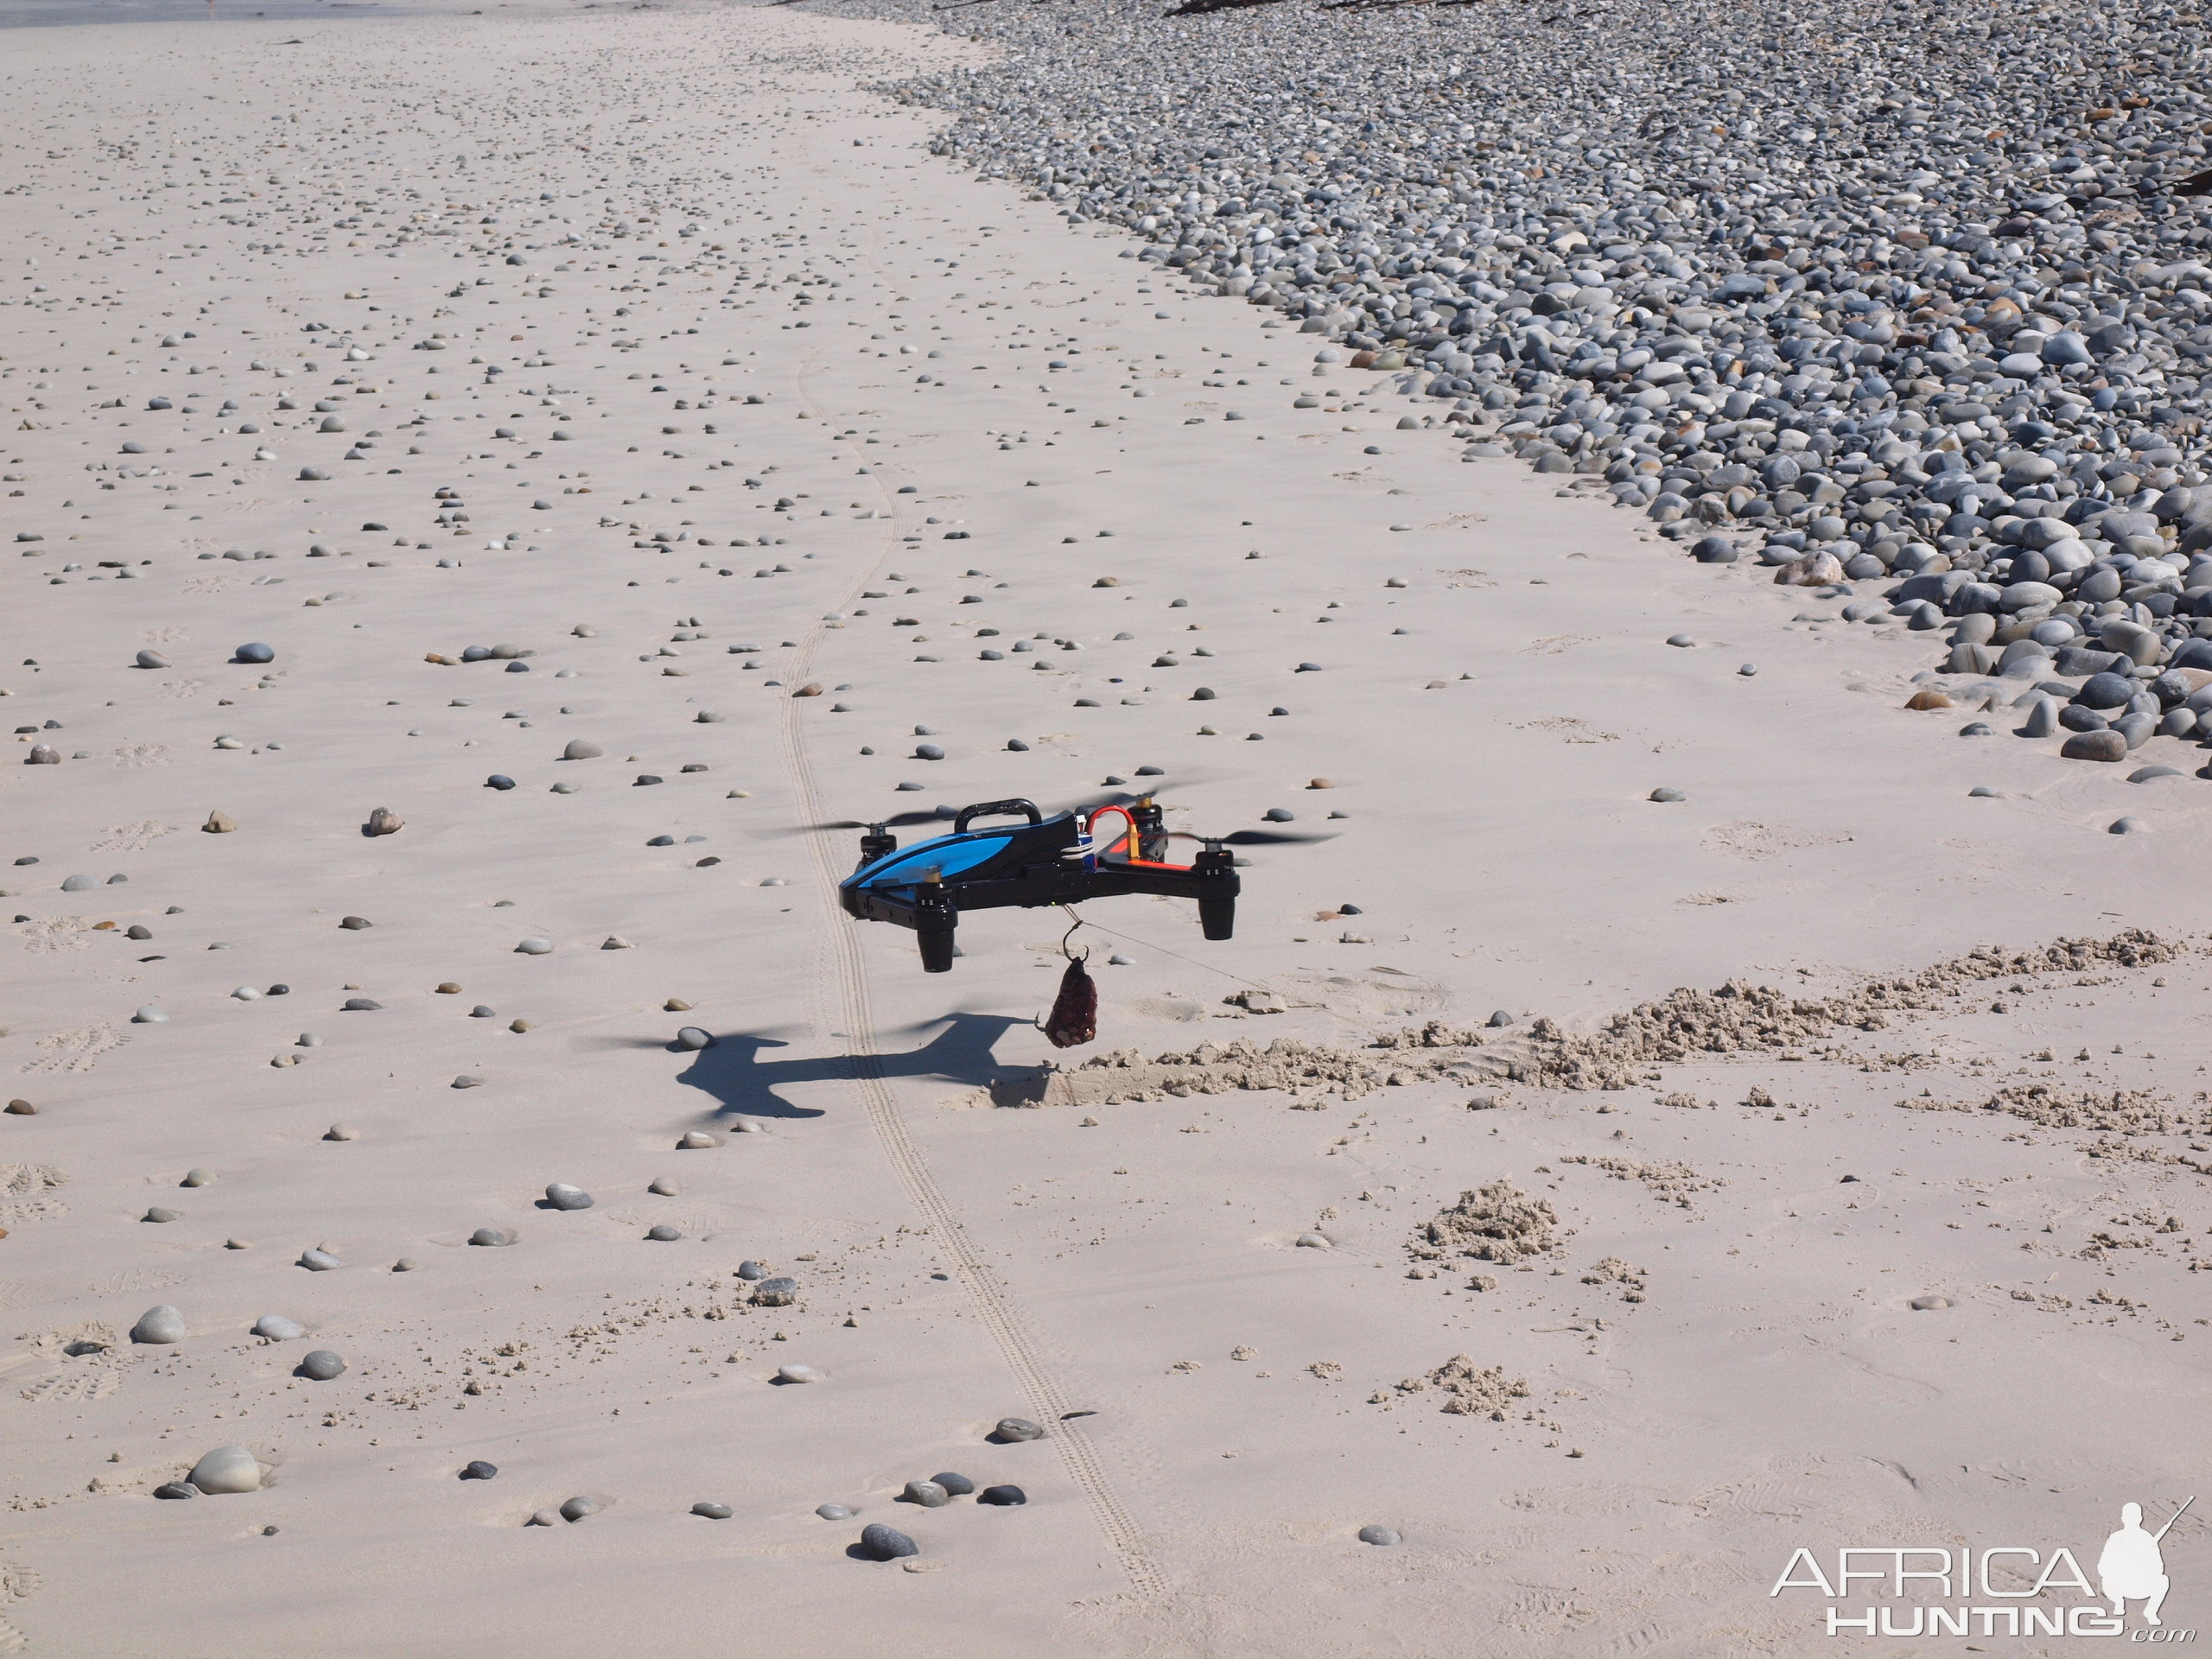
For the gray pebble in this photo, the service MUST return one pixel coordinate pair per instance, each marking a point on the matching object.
(1681, 640)
(663, 1234)
(750, 1269)
(577, 1508)
(833, 1512)
(173, 1488)
(562, 1196)
(694, 1037)
(1380, 1535)
(927, 1493)
(958, 1485)
(480, 1469)
(712, 1511)
(159, 1324)
(197, 1177)
(156, 1213)
(499, 780)
(886, 1543)
(775, 1293)
(319, 1260)
(1666, 795)
(1005, 1497)
(152, 659)
(492, 1237)
(254, 652)
(277, 1328)
(1017, 1428)
(321, 1365)
(578, 749)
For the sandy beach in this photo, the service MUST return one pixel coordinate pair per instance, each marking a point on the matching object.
(1777, 1121)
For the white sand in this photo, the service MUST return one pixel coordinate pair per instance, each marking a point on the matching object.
(958, 1263)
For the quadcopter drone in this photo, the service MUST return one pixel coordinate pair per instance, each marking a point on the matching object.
(1098, 852)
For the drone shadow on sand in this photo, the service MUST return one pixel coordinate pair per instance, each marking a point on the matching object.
(738, 1074)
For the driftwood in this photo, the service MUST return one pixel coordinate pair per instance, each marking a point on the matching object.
(1200, 7)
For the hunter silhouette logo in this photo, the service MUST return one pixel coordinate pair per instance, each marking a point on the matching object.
(2131, 1568)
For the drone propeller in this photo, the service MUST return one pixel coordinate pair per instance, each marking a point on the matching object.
(899, 820)
(1249, 837)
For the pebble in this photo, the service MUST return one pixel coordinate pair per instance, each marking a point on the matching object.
(321, 1365)
(319, 1260)
(492, 1237)
(562, 1196)
(160, 1324)
(156, 1213)
(533, 947)
(1314, 1241)
(152, 659)
(958, 1485)
(927, 1493)
(173, 1488)
(833, 1512)
(663, 1187)
(775, 1293)
(886, 1543)
(1003, 1497)
(799, 1373)
(226, 1469)
(577, 1508)
(477, 1468)
(694, 1037)
(341, 1132)
(696, 1141)
(277, 1328)
(579, 749)
(662, 1233)
(1380, 1535)
(1666, 795)
(712, 1511)
(254, 652)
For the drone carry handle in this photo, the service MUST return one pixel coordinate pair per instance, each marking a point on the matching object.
(994, 810)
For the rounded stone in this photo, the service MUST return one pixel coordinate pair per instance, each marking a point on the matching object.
(490, 1237)
(1715, 549)
(578, 749)
(1017, 1428)
(321, 1365)
(1004, 1498)
(797, 1374)
(226, 1469)
(159, 1324)
(562, 1196)
(712, 1511)
(2105, 746)
(152, 659)
(1380, 1535)
(694, 1038)
(533, 947)
(480, 1469)
(499, 780)
(927, 1493)
(662, 1233)
(2107, 690)
(886, 1543)
(319, 1260)
(149, 1015)
(277, 1328)
(833, 1512)
(1664, 795)
(253, 652)
(577, 1508)
(958, 1485)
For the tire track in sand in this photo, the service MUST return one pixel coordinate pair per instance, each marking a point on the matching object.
(1047, 1399)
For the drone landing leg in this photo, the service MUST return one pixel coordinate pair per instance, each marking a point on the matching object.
(936, 920)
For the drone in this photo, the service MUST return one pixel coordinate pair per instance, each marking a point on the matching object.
(1101, 851)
